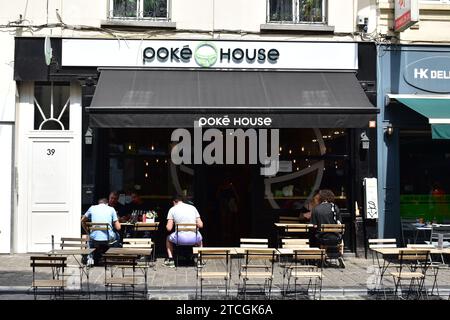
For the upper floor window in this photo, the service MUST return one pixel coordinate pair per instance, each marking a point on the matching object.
(297, 11)
(139, 9)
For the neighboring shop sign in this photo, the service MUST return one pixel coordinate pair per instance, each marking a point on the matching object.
(210, 54)
(429, 74)
(406, 14)
(371, 197)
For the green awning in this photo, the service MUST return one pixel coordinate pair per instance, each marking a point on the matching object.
(440, 131)
(434, 107)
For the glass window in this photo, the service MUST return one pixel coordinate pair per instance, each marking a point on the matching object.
(310, 159)
(139, 9)
(297, 11)
(424, 176)
(51, 106)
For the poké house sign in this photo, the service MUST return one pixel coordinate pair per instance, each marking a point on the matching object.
(430, 74)
(406, 14)
(200, 54)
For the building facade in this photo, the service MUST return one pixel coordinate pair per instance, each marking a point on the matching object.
(413, 128)
(94, 91)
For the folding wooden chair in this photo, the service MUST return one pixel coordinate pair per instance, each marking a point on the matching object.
(333, 247)
(220, 270)
(100, 246)
(413, 267)
(184, 227)
(258, 268)
(48, 272)
(141, 244)
(116, 266)
(74, 244)
(381, 243)
(254, 243)
(307, 266)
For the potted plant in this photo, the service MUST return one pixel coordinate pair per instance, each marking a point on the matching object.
(151, 216)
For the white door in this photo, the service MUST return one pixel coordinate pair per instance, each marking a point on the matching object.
(47, 165)
(50, 189)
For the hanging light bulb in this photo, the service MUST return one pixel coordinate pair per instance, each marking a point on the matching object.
(157, 160)
(290, 151)
(295, 161)
(146, 175)
(303, 149)
(153, 147)
(146, 163)
(281, 149)
(129, 147)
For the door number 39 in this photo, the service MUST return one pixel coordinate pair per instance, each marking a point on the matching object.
(50, 152)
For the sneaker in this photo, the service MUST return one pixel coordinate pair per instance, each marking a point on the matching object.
(90, 262)
(169, 263)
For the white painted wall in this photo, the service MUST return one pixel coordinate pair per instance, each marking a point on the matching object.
(6, 143)
(7, 117)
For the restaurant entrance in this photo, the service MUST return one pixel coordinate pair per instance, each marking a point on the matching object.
(227, 199)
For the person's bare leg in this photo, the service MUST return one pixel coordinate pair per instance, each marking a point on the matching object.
(169, 246)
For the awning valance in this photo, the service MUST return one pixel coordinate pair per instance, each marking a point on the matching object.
(434, 107)
(176, 98)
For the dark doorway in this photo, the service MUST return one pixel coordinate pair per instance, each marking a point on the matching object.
(226, 203)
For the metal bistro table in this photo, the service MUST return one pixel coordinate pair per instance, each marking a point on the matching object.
(76, 253)
(390, 254)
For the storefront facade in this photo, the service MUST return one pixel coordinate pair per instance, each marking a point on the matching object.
(413, 135)
(104, 113)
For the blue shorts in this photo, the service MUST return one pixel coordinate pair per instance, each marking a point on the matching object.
(185, 238)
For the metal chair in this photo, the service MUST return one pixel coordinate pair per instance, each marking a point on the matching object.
(56, 266)
(439, 232)
(307, 266)
(116, 266)
(181, 249)
(221, 270)
(381, 243)
(73, 244)
(100, 246)
(408, 230)
(413, 267)
(330, 239)
(254, 243)
(258, 267)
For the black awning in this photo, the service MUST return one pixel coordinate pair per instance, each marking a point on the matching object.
(176, 98)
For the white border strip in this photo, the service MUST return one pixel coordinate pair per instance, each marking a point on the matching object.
(418, 96)
(439, 121)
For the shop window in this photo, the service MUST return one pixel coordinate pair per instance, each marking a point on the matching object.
(140, 159)
(310, 159)
(51, 106)
(139, 9)
(424, 177)
(296, 11)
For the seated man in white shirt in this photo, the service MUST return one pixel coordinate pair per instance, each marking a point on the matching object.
(182, 213)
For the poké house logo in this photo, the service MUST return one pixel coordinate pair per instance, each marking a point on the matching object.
(207, 55)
